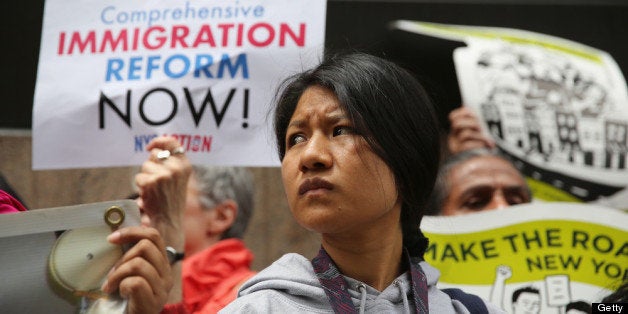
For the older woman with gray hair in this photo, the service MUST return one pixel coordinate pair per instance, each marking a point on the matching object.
(219, 205)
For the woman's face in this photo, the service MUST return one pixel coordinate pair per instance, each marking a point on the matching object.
(333, 180)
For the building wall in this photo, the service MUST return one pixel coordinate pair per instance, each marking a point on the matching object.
(272, 231)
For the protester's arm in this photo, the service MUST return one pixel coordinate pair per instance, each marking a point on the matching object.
(162, 187)
(503, 273)
(466, 132)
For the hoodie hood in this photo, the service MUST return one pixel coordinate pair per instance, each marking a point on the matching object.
(294, 276)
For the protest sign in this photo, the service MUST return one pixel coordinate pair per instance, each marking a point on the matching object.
(55, 259)
(557, 108)
(114, 74)
(562, 252)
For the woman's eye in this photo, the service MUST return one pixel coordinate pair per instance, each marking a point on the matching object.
(295, 139)
(343, 130)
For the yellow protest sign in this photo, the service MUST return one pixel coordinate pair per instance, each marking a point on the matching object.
(568, 252)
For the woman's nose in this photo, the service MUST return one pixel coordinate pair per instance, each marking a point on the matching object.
(316, 154)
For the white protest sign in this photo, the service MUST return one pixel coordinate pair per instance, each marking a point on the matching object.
(557, 108)
(114, 74)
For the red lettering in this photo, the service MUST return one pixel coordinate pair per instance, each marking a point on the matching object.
(239, 38)
(160, 39)
(136, 36)
(180, 36)
(90, 40)
(113, 43)
(263, 43)
(204, 36)
(179, 32)
(284, 29)
(225, 33)
(61, 43)
(193, 143)
(207, 143)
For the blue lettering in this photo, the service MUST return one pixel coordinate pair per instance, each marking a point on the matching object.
(123, 17)
(186, 68)
(176, 14)
(203, 13)
(153, 16)
(176, 66)
(188, 10)
(113, 68)
(111, 15)
(134, 67)
(103, 18)
(240, 62)
(151, 65)
(203, 62)
(142, 140)
(136, 16)
(258, 11)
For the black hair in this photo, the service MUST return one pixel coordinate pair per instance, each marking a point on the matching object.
(394, 114)
(515, 295)
(579, 305)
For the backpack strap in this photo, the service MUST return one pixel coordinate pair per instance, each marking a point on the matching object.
(472, 302)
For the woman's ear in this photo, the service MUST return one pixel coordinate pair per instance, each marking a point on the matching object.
(224, 215)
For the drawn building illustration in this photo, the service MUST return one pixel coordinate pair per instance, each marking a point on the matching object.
(616, 139)
(568, 137)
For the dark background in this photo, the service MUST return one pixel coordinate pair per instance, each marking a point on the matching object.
(360, 25)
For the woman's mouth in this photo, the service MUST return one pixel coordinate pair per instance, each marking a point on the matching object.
(314, 184)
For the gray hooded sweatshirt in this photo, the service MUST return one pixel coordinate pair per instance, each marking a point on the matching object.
(290, 285)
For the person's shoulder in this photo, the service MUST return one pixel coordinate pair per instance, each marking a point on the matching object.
(470, 302)
(288, 257)
(287, 285)
(287, 267)
(453, 300)
(9, 204)
(292, 273)
(276, 301)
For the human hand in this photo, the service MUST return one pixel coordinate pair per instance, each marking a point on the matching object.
(503, 272)
(143, 275)
(466, 132)
(162, 184)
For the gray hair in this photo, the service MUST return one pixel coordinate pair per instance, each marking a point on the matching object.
(219, 184)
(442, 185)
